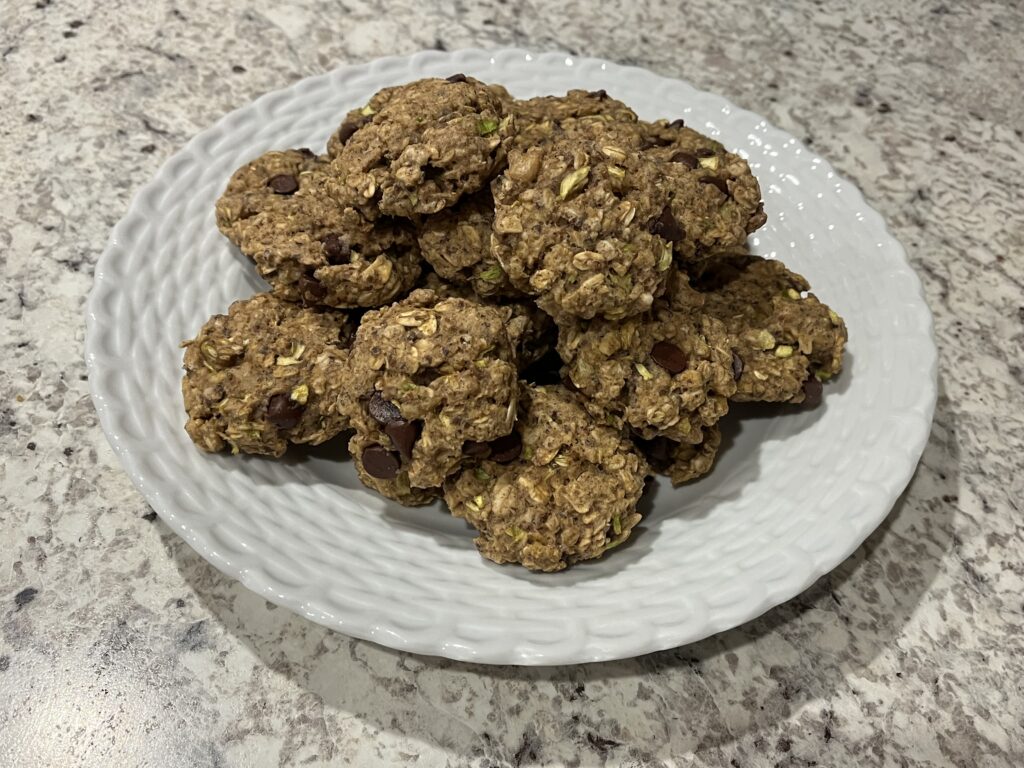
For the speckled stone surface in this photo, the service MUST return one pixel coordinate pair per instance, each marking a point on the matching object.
(120, 647)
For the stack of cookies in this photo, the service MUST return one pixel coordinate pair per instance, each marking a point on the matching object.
(524, 307)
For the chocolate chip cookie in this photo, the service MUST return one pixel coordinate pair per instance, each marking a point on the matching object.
(265, 375)
(316, 250)
(682, 462)
(429, 143)
(457, 243)
(542, 118)
(430, 378)
(784, 340)
(667, 372)
(562, 488)
(264, 184)
(572, 227)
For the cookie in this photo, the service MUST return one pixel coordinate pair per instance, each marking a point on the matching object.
(531, 331)
(265, 375)
(430, 377)
(264, 184)
(682, 462)
(715, 199)
(572, 228)
(564, 488)
(377, 467)
(457, 243)
(430, 142)
(666, 372)
(317, 251)
(784, 340)
(540, 119)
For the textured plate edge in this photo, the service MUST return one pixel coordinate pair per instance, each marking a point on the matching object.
(526, 655)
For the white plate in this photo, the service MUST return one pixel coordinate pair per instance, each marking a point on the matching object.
(793, 494)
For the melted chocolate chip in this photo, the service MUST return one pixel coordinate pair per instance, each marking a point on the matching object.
(737, 367)
(506, 449)
(381, 463)
(283, 412)
(812, 392)
(715, 181)
(383, 411)
(475, 449)
(312, 290)
(404, 435)
(600, 95)
(677, 124)
(336, 250)
(685, 158)
(669, 356)
(667, 227)
(306, 152)
(457, 78)
(705, 152)
(283, 184)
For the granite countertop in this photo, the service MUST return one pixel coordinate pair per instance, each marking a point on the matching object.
(121, 647)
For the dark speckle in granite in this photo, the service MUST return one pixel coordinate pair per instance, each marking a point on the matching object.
(25, 597)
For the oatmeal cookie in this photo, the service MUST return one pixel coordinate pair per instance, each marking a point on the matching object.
(784, 340)
(265, 184)
(429, 379)
(564, 488)
(715, 199)
(666, 372)
(682, 462)
(530, 330)
(457, 243)
(318, 251)
(572, 228)
(430, 142)
(265, 375)
(540, 119)
(379, 469)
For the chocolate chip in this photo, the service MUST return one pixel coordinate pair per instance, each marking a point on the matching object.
(283, 184)
(283, 412)
(507, 448)
(336, 250)
(457, 78)
(383, 411)
(475, 449)
(705, 152)
(716, 181)
(737, 367)
(404, 435)
(685, 158)
(312, 290)
(655, 141)
(346, 129)
(667, 227)
(381, 463)
(600, 95)
(306, 152)
(812, 392)
(669, 356)
(677, 124)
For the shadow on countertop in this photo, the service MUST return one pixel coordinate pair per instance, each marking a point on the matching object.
(706, 697)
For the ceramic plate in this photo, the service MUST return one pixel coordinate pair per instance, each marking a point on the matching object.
(792, 495)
